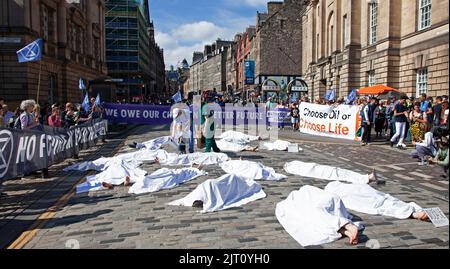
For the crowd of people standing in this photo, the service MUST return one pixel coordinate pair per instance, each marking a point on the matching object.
(31, 115)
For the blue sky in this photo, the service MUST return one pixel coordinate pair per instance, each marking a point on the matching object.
(185, 26)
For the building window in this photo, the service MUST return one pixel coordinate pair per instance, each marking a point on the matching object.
(371, 79)
(345, 32)
(422, 82)
(373, 17)
(424, 14)
(45, 24)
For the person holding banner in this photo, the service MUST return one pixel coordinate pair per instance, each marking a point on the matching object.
(27, 120)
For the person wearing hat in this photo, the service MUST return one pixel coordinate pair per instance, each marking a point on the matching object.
(209, 126)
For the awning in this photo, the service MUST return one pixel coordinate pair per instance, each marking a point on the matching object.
(376, 90)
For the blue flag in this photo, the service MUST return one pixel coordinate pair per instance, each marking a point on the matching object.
(86, 105)
(177, 97)
(81, 85)
(327, 95)
(32, 52)
(97, 100)
(351, 97)
(332, 95)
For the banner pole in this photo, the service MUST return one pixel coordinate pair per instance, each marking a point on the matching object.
(39, 82)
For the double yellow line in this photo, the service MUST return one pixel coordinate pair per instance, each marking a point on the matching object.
(26, 236)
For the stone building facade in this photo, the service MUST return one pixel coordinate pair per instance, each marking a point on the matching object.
(277, 41)
(352, 44)
(244, 51)
(213, 68)
(73, 34)
(157, 66)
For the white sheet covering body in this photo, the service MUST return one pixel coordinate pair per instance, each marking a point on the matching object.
(251, 170)
(325, 172)
(164, 179)
(117, 172)
(155, 144)
(312, 216)
(238, 137)
(278, 145)
(98, 165)
(222, 193)
(365, 199)
(226, 146)
(194, 158)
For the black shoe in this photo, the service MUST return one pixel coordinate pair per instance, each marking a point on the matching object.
(134, 145)
(391, 143)
(198, 204)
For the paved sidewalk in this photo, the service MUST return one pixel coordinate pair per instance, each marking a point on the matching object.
(115, 219)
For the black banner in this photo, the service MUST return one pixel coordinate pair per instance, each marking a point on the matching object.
(26, 151)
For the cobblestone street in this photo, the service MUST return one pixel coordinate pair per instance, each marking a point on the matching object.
(115, 219)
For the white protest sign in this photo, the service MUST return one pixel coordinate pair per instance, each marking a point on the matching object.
(338, 122)
(293, 148)
(437, 217)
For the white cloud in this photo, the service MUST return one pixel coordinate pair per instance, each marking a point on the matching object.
(255, 3)
(182, 41)
(198, 31)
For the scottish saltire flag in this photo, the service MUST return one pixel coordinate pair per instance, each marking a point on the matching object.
(327, 95)
(351, 97)
(177, 97)
(97, 100)
(86, 105)
(81, 85)
(332, 95)
(32, 52)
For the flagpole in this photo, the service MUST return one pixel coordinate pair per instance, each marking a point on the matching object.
(39, 82)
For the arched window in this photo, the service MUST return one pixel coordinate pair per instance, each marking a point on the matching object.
(330, 34)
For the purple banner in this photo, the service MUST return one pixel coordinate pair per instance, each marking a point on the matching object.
(160, 115)
(138, 114)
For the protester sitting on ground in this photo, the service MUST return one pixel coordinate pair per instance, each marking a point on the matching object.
(442, 156)
(54, 120)
(428, 147)
(27, 119)
(418, 123)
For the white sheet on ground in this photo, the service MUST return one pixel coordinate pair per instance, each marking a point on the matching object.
(312, 216)
(155, 144)
(251, 170)
(97, 165)
(226, 146)
(238, 137)
(165, 179)
(222, 193)
(365, 199)
(325, 172)
(279, 145)
(194, 158)
(117, 172)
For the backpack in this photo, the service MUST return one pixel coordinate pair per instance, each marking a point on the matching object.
(424, 106)
(17, 124)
